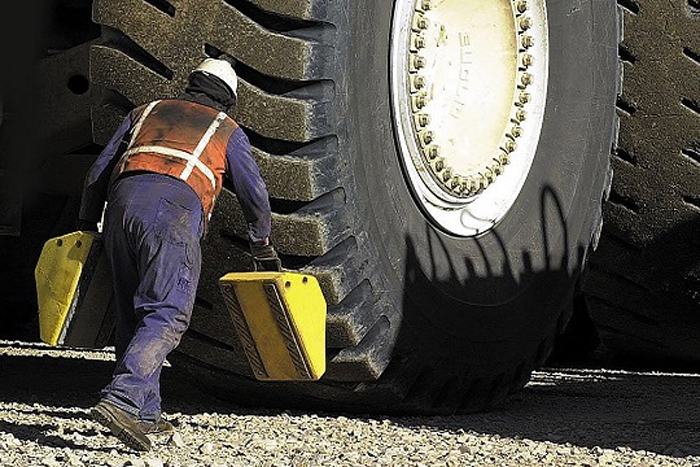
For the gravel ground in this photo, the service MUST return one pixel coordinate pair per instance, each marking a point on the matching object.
(563, 417)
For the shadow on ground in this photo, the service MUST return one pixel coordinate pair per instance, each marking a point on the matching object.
(587, 408)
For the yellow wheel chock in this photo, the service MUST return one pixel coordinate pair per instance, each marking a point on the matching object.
(280, 318)
(74, 288)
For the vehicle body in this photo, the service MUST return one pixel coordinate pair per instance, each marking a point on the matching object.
(440, 167)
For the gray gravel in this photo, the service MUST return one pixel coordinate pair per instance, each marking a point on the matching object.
(563, 417)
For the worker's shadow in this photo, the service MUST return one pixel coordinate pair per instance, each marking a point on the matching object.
(40, 383)
(41, 434)
(37, 383)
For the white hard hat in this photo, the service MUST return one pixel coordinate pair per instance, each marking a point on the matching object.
(222, 70)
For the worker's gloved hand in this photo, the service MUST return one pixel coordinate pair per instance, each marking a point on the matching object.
(265, 258)
(86, 226)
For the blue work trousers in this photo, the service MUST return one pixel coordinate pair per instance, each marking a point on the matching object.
(153, 226)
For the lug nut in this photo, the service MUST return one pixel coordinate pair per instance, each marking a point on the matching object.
(427, 137)
(419, 101)
(522, 6)
(447, 175)
(525, 23)
(496, 167)
(469, 186)
(481, 182)
(420, 23)
(528, 60)
(438, 164)
(527, 41)
(527, 79)
(516, 131)
(524, 98)
(456, 183)
(417, 62)
(510, 145)
(432, 152)
(489, 175)
(520, 115)
(422, 120)
(423, 5)
(417, 82)
(418, 42)
(504, 158)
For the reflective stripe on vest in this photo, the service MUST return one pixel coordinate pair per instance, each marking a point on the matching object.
(137, 130)
(189, 157)
(200, 148)
(139, 124)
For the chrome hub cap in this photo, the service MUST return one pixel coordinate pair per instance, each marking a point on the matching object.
(469, 81)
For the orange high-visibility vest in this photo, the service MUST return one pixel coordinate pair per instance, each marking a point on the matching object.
(184, 140)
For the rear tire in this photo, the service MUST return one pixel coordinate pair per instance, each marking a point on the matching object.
(644, 284)
(419, 320)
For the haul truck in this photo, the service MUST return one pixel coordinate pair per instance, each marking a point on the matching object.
(440, 166)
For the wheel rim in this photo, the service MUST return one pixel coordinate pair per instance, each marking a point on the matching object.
(469, 83)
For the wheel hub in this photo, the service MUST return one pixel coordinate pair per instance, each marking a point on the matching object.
(469, 86)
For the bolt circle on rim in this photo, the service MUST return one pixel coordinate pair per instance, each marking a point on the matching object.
(469, 83)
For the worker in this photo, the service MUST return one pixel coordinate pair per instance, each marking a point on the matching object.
(161, 174)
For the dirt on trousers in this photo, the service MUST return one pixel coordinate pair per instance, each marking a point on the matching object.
(563, 417)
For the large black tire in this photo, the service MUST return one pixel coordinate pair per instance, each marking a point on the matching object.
(418, 320)
(644, 284)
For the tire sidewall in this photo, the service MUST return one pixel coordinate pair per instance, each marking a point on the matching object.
(511, 283)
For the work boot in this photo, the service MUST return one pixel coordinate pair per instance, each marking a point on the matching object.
(122, 424)
(161, 427)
